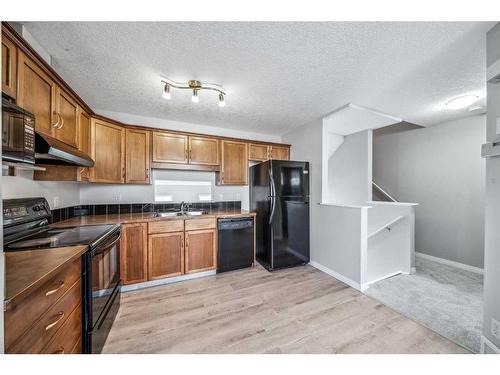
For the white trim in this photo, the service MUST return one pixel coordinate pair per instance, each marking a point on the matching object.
(343, 205)
(385, 203)
(451, 263)
(168, 280)
(338, 276)
(387, 276)
(493, 70)
(362, 108)
(485, 342)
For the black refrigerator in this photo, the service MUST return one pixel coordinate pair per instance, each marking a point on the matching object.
(279, 194)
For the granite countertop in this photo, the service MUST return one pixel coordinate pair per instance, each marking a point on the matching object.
(146, 217)
(24, 269)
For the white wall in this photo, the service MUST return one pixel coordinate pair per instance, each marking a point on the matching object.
(441, 169)
(101, 193)
(23, 186)
(492, 214)
(349, 170)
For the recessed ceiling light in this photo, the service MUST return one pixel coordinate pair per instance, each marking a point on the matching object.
(461, 101)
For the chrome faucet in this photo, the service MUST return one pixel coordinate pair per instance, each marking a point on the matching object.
(184, 207)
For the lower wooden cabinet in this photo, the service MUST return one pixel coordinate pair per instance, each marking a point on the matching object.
(201, 252)
(165, 255)
(134, 253)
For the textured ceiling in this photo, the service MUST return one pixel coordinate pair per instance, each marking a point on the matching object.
(278, 75)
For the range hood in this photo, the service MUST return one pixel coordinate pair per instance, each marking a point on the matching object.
(49, 150)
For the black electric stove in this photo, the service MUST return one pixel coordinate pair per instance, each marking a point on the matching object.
(26, 227)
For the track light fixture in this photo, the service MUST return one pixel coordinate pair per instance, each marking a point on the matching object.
(195, 86)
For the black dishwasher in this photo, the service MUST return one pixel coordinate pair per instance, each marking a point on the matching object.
(235, 248)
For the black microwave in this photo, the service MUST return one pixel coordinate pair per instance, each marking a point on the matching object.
(18, 133)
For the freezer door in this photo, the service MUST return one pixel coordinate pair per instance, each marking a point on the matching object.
(289, 223)
(289, 178)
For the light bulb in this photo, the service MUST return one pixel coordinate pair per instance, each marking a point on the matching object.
(166, 92)
(222, 101)
(461, 101)
(195, 98)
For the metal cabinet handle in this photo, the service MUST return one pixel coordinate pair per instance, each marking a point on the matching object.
(59, 351)
(55, 126)
(52, 291)
(51, 325)
(62, 121)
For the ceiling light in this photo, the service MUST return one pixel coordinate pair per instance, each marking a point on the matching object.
(461, 102)
(166, 92)
(195, 86)
(222, 102)
(195, 98)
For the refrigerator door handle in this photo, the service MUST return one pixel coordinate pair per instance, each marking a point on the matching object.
(273, 197)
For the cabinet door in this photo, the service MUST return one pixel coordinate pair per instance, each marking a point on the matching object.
(137, 156)
(9, 67)
(108, 152)
(280, 153)
(165, 255)
(203, 151)
(83, 131)
(36, 94)
(258, 152)
(170, 148)
(67, 109)
(234, 163)
(134, 253)
(201, 252)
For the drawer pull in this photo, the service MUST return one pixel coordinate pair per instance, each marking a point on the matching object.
(51, 325)
(61, 284)
(59, 351)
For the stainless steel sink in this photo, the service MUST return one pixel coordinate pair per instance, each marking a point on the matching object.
(179, 213)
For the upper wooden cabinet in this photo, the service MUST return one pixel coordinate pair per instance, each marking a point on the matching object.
(67, 112)
(134, 253)
(137, 152)
(170, 148)
(37, 94)
(83, 131)
(9, 67)
(280, 153)
(108, 152)
(234, 163)
(258, 152)
(203, 151)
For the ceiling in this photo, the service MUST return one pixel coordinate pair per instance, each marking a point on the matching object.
(279, 75)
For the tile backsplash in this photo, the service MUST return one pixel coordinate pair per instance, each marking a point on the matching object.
(60, 214)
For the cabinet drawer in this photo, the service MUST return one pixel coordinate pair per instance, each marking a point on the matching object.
(195, 224)
(21, 314)
(166, 226)
(67, 337)
(49, 323)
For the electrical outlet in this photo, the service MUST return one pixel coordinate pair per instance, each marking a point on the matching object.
(55, 202)
(495, 328)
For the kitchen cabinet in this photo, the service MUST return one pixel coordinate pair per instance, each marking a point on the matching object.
(203, 151)
(37, 94)
(234, 163)
(84, 131)
(134, 253)
(67, 112)
(165, 255)
(9, 67)
(280, 153)
(108, 152)
(201, 251)
(137, 156)
(170, 148)
(258, 152)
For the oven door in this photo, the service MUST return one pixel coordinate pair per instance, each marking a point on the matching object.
(103, 291)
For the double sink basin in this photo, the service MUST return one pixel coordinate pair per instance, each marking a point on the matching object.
(179, 213)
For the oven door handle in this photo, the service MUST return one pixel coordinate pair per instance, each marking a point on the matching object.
(107, 246)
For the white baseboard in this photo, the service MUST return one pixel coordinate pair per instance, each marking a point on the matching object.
(450, 263)
(386, 277)
(487, 344)
(169, 280)
(338, 276)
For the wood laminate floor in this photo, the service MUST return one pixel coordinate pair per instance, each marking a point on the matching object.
(298, 310)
